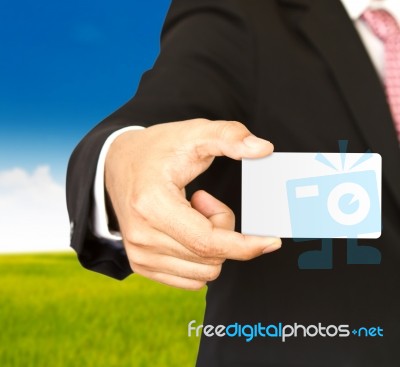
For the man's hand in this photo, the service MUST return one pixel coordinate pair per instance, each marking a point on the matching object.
(167, 238)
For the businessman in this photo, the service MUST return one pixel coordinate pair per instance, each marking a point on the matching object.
(231, 76)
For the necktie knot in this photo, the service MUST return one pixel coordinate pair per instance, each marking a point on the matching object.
(382, 24)
(386, 28)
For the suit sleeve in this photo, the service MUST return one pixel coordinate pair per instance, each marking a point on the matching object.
(204, 70)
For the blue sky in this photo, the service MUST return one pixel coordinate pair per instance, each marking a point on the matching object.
(64, 66)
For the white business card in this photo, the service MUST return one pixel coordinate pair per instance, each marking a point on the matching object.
(312, 195)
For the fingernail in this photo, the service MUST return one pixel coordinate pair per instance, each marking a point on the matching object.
(274, 244)
(253, 142)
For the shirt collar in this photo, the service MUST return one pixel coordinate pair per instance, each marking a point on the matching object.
(355, 8)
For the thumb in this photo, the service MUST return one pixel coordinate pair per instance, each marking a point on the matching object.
(231, 139)
(215, 211)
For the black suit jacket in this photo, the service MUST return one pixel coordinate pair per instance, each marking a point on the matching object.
(295, 72)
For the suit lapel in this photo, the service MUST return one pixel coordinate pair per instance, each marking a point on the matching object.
(326, 25)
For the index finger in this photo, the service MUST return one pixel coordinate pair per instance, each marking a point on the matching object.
(194, 231)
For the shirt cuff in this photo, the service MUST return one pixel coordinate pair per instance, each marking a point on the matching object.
(99, 216)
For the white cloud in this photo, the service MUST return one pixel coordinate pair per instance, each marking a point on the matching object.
(33, 214)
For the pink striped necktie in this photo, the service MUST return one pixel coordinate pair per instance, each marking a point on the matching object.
(385, 27)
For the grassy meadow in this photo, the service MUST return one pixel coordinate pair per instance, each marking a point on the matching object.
(54, 313)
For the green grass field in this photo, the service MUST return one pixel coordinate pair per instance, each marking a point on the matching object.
(53, 313)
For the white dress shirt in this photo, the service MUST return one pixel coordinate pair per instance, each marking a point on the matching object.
(373, 45)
